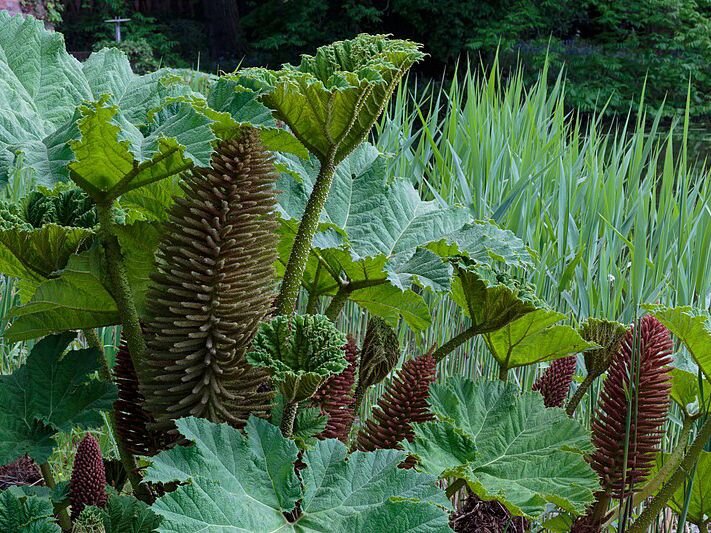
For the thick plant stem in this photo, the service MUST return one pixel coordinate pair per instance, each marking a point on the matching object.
(122, 293)
(337, 302)
(580, 392)
(62, 515)
(120, 287)
(503, 373)
(93, 340)
(299, 256)
(452, 344)
(127, 459)
(657, 504)
(287, 419)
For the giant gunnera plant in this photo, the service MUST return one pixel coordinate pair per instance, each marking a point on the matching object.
(213, 286)
(330, 101)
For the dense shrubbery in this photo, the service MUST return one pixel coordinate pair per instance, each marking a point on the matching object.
(606, 47)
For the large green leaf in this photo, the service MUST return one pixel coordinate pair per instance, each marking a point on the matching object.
(112, 157)
(245, 483)
(50, 393)
(699, 509)
(490, 298)
(507, 446)
(41, 85)
(126, 514)
(76, 299)
(686, 391)
(691, 327)
(331, 100)
(20, 513)
(533, 338)
(379, 231)
(300, 352)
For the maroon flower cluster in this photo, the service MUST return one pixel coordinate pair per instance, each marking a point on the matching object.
(22, 471)
(335, 397)
(88, 483)
(637, 386)
(554, 383)
(403, 403)
(132, 420)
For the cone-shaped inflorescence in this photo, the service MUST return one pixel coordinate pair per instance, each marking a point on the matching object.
(22, 471)
(481, 516)
(133, 423)
(88, 483)
(214, 284)
(635, 394)
(608, 334)
(336, 397)
(380, 354)
(403, 403)
(554, 383)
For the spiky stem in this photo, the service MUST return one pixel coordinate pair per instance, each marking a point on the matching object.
(120, 286)
(657, 504)
(299, 256)
(580, 392)
(123, 294)
(287, 419)
(344, 292)
(127, 459)
(454, 343)
(62, 515)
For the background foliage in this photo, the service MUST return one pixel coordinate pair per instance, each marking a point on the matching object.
(606, 47)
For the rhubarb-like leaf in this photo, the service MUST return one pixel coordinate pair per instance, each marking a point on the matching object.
(23, 513)
(300, 352)
(125, 514)
(41, 85)
(507, 446)
(691, 327)
(76, 299)
(230, 481)
(50, 393)
(112, 157)
(490, 298)
(533, 338)
(331, 100)
(378, 231)
(686, 391)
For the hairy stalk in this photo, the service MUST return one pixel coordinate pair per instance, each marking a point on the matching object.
(344, 292)
(337, 302)
(120, 287)
(580, 392)
(287, 419)
(93, 341)
(657, 504)
(62, 515)
(122, 293)
(503, 374)
(127, 459)
(454, 343)
(295, 267)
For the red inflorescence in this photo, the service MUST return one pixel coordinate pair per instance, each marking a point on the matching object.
(132, 420)
(335, 397)
(638, 383)
(22, 471)
(403, 403)
(554, 383)
(88, 484)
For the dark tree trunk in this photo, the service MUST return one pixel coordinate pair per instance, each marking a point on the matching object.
(223, 26)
